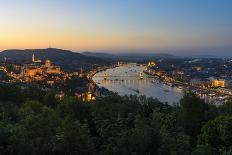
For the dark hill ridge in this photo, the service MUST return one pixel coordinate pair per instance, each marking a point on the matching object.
(131, 56)
(99, 54)
(68, 60)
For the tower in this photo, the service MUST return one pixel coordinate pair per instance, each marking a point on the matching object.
(33, 57)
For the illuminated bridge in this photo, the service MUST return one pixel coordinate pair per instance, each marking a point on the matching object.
(140, 75)
(103, 76)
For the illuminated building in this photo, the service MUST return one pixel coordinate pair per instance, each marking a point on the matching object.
(141, 75)
(50, 69)
(38, 71)
(60, 95)
(198, 68)
(32, 70)
(34, 60)
(152, 64)
(218, 83)
(81, 72)
(85, 93)
(48, 63)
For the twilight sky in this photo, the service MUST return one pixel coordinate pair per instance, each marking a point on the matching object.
(170, 26)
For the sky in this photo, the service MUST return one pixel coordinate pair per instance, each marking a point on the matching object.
(141, 26)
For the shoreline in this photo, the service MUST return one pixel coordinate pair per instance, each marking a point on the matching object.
(203, 93)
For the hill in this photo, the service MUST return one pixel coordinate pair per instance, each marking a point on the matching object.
(131, 56)
(99, 55)
(68, 60)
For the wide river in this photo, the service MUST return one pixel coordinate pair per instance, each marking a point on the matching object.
(125, 81)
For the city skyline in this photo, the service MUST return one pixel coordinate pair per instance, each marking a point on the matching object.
(160, 26)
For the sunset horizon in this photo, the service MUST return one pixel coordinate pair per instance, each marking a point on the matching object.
(159, 26)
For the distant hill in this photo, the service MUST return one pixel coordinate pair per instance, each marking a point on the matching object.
(206, 56)
(148, 55)
(131, 56)
(68, 60)
(99, 54)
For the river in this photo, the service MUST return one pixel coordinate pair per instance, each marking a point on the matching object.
(125, 80)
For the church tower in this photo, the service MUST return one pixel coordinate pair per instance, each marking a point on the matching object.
(33, 57)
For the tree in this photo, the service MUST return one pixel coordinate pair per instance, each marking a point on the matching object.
(141, 139)
(192, 115)
(174, 141)
(217, 134)
(74, 138)
(11, 93)
(41, 124)
(225, 109)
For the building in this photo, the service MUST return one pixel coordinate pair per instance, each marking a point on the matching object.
(152, 64)
(37, 70)
(218, 83)
(34, 60)
(198, 68)
(50, 69)
(32, 70)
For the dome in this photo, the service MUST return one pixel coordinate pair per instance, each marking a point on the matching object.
(48, 63)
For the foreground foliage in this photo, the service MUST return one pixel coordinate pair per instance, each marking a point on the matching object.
(35, 122)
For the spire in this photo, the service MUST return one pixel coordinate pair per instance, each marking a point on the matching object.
(33, 57)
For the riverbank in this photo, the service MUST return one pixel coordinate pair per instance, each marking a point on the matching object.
(100, 91)
(208, 94)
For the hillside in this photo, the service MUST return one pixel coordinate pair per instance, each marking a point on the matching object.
(68, 60)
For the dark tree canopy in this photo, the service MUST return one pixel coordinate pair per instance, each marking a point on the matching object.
(33, 121)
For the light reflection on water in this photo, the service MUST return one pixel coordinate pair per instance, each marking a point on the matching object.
(127, 82)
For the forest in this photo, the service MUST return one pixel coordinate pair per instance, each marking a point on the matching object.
(33, 121)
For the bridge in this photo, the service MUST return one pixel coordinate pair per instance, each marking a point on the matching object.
(127, 64)
(105, 76)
